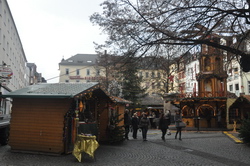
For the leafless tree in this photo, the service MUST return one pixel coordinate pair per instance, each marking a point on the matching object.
(150, 27)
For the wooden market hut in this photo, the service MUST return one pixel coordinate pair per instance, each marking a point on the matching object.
(44, 116)
(239, 110)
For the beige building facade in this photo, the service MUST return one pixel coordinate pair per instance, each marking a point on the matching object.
(81, 68)
(85, 68)
(152, 80)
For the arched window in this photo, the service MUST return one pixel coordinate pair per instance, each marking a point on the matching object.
(187, 112)
(208, 88)
(207, 64)
(206, 112)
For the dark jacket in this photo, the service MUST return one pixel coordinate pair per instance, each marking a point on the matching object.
(135, 122)
(127, 119)
(164, 122)
(144, 122)
(177, 119)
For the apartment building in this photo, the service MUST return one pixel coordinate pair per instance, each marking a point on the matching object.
(173, 86)
(81, 68)
(191, 84)
(182, 79)
(184, 71)
(14, 70)
(238, 81)
(154, 72)
(33, 75)
(11, 50)
(234, 80)
(93, 68)
(151, 80)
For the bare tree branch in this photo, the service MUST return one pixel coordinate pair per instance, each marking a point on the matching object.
(144, 26)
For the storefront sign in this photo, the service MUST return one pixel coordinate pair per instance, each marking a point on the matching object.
(5, 75)
(86, 78)
(5, 72)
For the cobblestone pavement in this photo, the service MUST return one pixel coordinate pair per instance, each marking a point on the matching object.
(196, 149)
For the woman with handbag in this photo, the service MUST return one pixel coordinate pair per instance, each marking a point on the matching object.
(178, 121)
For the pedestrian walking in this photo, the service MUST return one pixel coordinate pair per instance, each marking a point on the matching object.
(127, 123)
(144, 123)
(178, 121)
(164, 123)
(153, 124)
(135, 125)
(169, 122)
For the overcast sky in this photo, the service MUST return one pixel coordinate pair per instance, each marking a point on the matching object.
(53, 29)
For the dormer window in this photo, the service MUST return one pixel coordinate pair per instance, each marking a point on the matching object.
(70, 60)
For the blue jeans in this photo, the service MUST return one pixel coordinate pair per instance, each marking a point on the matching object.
(144, 131)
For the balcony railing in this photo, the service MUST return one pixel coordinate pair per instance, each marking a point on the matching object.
(202, 94)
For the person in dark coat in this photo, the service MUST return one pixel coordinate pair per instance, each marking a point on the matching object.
(178, 119)
(127, 123)
(144, 123)
(135, 125)
(164, 123)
